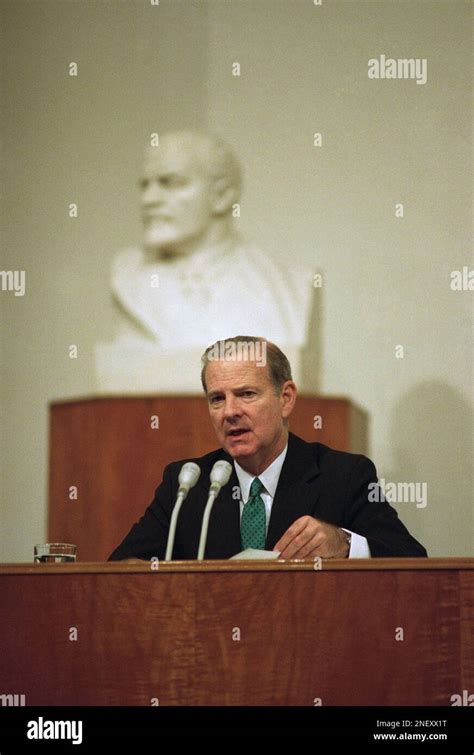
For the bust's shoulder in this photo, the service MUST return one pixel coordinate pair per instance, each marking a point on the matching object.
(285, 266)
(126, 267)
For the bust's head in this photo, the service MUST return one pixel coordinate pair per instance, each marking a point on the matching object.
(190, 182)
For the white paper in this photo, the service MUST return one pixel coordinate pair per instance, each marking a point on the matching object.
(254, 553)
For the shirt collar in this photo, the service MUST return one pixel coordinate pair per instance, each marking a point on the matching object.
(269, 477)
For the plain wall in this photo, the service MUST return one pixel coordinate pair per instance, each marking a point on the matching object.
(386, 280)
(141, 69)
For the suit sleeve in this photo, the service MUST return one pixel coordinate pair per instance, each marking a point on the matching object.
(376, 519)
(147, 538)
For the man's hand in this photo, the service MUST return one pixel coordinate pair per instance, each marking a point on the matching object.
(308, 537)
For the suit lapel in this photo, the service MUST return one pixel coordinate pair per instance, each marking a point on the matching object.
(292, 499)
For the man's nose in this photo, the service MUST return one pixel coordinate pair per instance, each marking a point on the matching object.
(231, 407)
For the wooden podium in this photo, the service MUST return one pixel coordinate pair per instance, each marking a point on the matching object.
(365, 633)
(107, 456)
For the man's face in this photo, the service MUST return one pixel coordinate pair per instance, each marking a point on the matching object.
(176, 197)
(247, 413)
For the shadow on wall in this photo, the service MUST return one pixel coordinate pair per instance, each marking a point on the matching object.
(431, 437)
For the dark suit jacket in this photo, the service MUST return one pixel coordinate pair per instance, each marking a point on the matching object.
(316, 480)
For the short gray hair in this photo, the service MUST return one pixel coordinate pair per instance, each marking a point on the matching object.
(279, 368)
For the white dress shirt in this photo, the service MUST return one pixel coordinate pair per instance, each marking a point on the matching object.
(269, 479)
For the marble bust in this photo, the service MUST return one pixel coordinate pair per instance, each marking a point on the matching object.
(194, 280)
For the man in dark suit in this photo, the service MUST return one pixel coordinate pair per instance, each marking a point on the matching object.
(304, 500)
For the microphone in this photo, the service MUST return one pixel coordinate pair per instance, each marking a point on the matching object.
(188, 477)
(220, 476)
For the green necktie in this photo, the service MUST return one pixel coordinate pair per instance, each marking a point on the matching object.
(253, 521)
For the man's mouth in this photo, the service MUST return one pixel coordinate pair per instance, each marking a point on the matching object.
(238, 432)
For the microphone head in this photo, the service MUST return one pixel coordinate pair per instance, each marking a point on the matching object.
(220, 474)
(188, 476)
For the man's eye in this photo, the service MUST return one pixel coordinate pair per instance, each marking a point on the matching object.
(248, 394)
(215, 400)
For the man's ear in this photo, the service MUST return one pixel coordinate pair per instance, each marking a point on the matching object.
(223, 195)
(288, 398)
